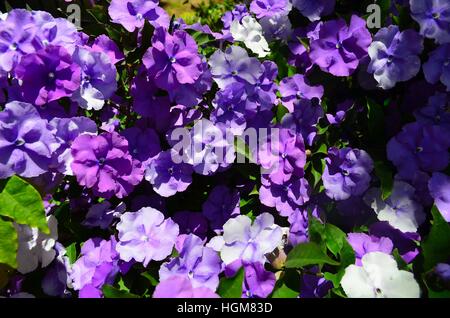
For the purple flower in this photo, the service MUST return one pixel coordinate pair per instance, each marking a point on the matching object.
(304, 119)
(443, 271)
(201, 265)
(363, 244)
(101, 215)
(394, 56)
(299, 53)
(96, 266)
(209, 148)
(264, 93)
(277, 27)
(104, 44)
(190, 95)
(287, 157)
(238, 12)
(191, 222)
(27, 143)
(230, 108)
(143, 144)
(437, 68)
(299, 229)
(258, 283)
(179, 287)
(314, 286)
(249, 242)
(47, 75)
(347, 173)
(286, 197)
(104, 164)
(173, 60)
(168, 177)
(419, 147)
(435, 112)
(56, 32)
(339, 47)
(222, 204)
(234, 65)
(401, 209)
(146, 101)
(406, 243)
(341, 112)
(131, 14)
(66, 131)
(145, 235)
(269, 8)
(16, 38)
(98, 79)
(439, 186)
(314, 9)
(295, 88)
(433, 17)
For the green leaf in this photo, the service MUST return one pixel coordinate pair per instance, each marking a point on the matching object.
(284, 292)
(231, 287)
(384, 173)
(21, 202)
(71, 252)
(308, 254)
(153, 281)
(112, 292)
(436, 247)
(281, 111)
(8, 243)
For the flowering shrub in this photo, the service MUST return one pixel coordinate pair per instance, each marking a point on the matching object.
(288, 149)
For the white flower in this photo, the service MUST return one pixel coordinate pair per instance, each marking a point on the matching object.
(248, 242)
(250, 32)
(36, 247)
(379, 277)
(400, 209)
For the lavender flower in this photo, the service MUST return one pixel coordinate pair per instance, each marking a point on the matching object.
(437, 68)
(339, 47)
(145, 235)
(347, 173)
(201, 265)
(295, 88)
(363, 244)
(47, 75)
(222, 204)
(104, 164)
(168, 177)
(234, 65)
(432, 16)
(439, 186)
(27, 142)
(96, 266)
(173, 60)
(249, 242)
(394, 56)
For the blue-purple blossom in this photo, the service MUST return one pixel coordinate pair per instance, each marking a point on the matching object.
(222, 204)
(419, 147)
(433, 18)
(27, 143)
(437, 68)
(234, 65)
(347, 173)
(314, 9)
(201, 265)
(394, 56)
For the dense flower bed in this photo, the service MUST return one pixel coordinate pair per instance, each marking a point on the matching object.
(298, 151)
